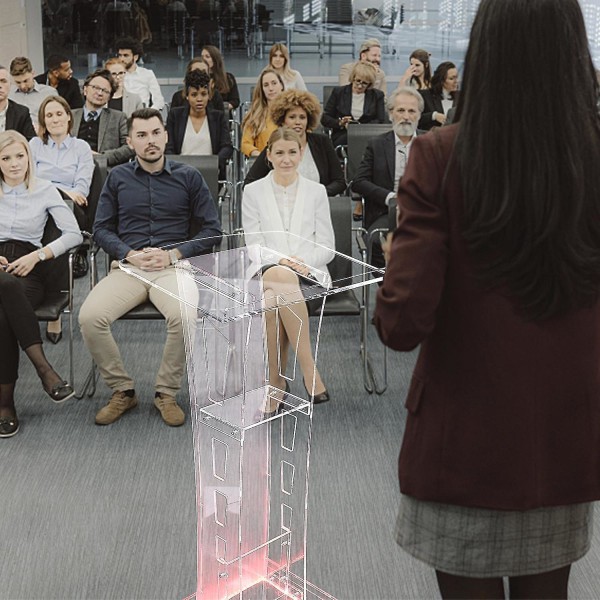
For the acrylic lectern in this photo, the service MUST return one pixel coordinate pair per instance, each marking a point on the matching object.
(251, 460)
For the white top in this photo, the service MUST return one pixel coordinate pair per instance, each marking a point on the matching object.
(199, 143)
(3, 118)
(285, 197)
(295, 84)
(308, 167)
(358, 106)
(447, 101)
(143, 83)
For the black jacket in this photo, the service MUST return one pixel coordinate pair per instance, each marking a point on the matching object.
(18, 118)
(340, 105)
(433, 103)
(67, 88)
(218, 126)
(328, 164)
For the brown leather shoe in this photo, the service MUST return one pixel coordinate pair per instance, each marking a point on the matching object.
(170, 411)
(119, 404)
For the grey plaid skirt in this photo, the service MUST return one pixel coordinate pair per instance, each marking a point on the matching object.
(474, 542)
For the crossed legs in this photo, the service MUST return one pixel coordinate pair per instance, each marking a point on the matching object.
(282, 290)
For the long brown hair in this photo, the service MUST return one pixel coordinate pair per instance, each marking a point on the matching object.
(218, 69)
(530, 178)
(257, 116)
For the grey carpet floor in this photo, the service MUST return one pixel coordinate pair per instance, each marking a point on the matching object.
(92, 512)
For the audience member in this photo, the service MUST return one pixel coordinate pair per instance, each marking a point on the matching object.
(370, 52)
(139, 80)
(64, 160)
(493, 271)
(418, 75)
(103, 128)
(286, 201)
(300, 111)
(13, 115)
(225, 82)
(215, 101)
(193, 129)
(357, 102)
(59, 75)
(123, 100)
(279, 61)
(27, 91)
(173, 197)
(26, 204)
(441, 97)
(384, 162)
(257, 125)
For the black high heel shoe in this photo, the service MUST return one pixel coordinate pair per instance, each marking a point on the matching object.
(279, 407)
(318, 398)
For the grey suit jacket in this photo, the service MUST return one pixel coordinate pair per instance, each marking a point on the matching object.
(131, 103)
(112, 135)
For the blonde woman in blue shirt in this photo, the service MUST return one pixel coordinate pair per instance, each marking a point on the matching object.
(26, 202)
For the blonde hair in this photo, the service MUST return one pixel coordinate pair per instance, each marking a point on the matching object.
(296, 99)
(14, 137)
(287, 73)
(256, 117)
(283, 133)
(365, 71)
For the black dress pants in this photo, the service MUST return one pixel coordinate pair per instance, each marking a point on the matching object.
(19, 296)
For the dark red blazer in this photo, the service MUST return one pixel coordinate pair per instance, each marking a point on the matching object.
(502, 413)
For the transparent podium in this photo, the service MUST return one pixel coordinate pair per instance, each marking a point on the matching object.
(251, 436)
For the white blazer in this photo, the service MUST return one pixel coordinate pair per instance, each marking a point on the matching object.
(311, 221)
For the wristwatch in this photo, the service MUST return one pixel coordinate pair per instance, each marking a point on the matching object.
(41, 255)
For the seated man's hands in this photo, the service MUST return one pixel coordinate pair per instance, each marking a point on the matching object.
(149, 259)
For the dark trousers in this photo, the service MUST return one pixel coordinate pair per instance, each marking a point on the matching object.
(377, 258)
(19, 296)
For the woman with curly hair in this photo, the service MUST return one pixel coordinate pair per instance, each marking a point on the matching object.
(225, 82)
(300, 111)
(257, 125)
(279, 61)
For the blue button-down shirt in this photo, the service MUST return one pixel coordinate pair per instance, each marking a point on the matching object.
(138, 209)
(69, 166)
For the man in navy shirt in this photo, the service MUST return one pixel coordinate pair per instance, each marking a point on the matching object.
(146, 204)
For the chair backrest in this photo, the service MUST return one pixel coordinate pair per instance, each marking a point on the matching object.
(358, 138)
(327, 89)
(208, 166)
(85, 216)
(56, 271)
(340, 208)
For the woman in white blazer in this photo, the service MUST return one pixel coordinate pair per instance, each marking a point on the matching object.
(285, 203)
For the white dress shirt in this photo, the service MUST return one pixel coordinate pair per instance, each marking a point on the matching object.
(143, 83)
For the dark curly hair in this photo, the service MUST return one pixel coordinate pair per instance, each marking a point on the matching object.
(296, 99)
(196, 79)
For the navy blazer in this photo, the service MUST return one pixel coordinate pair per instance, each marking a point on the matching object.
(340, 105)
(18, 118)
(433, 103)
(323, 153)
(218, 126)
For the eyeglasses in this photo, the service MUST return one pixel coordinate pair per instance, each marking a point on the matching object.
(361, 83)
(99, 89)
(115, 73)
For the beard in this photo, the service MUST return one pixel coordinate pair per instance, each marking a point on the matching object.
(404, 129)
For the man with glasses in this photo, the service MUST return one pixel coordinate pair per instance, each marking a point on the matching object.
(370, 52)
(103, 128)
